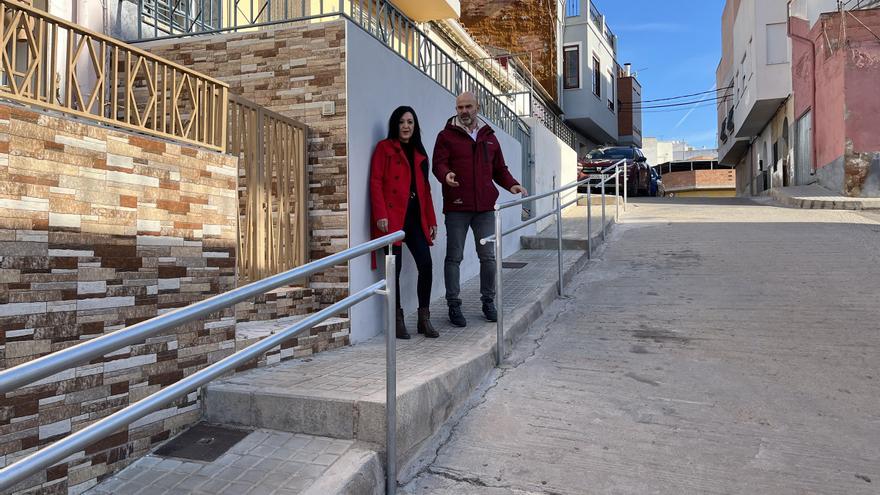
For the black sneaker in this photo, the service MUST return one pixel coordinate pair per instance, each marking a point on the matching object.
(490, 312)
(456, 317)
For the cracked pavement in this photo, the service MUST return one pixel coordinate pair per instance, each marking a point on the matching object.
(714, 346)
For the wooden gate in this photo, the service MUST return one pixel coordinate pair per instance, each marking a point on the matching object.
(272, 188)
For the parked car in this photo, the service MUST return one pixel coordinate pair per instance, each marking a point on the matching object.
(638, 170)
(656, 186)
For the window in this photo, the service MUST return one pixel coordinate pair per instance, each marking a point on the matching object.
(777, 43)
(572, 8)
(611, 91)
(611, 154)
(571, 67)
(597, 77)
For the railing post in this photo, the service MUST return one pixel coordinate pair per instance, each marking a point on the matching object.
(558, 198)
(590, 219)
(604, 178)
(499, 298)
(617, 194)
(390, 375)
(625, 185)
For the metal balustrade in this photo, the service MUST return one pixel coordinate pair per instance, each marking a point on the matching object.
(49, 62)
(377, 17)
(498, 237)
(32, 371)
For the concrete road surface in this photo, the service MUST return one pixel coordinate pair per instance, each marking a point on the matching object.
(717, 347)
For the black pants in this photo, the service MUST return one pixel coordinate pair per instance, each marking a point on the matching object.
(418, 246)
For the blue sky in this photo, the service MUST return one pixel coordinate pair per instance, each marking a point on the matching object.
(674, 47)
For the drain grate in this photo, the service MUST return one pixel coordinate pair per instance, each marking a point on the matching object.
(202, 442)
(513, 264)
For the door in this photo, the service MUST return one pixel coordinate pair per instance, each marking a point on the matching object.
(803, 156)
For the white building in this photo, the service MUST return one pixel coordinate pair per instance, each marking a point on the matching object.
(589, 75)
(755, 111)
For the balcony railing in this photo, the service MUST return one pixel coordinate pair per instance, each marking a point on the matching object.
(378, 17)
(54, 64)
(595, 16)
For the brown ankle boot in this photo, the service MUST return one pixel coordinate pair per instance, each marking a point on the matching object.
(424, 324)
(401, 326)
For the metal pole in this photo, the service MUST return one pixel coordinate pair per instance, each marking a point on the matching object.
(625, 185)
(590, 220)
(604, 178)
(559, 241)
(499, 300)
(617, 194)
(390, 375)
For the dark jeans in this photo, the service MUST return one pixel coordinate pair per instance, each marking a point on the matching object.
(483, 225)
(418, 247)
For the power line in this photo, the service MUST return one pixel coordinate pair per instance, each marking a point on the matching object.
(680, 109)
(639, 106)
(688, 96)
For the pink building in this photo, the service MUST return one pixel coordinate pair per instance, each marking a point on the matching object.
(836, 85)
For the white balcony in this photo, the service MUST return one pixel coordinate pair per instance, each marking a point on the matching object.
(429, 10)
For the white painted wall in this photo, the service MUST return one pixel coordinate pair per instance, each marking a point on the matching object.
(554, 160)
(379, 81)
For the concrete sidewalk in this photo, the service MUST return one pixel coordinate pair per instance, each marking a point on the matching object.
(339, 396)
(818, 198)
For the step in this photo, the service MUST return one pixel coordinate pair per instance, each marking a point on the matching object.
(574, 231)
(264, 462)
(341, 394)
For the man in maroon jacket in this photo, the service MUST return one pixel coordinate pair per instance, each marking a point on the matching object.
(467, 162)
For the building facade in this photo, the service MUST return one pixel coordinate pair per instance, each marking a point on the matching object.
(756, 115)
(836, 69)
(589, 75)
(629, 102)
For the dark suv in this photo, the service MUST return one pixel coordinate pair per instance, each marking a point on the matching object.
(638, 170)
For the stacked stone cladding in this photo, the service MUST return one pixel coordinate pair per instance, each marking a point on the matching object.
(101, 229)
(292, 70)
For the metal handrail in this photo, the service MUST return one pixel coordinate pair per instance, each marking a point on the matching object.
(498, 237)
(46, 366)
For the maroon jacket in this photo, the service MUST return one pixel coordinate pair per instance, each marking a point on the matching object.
(389, 188)
(476, 165)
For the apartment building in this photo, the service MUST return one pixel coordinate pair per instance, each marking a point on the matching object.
(573, 53)
(589, 75)
(835, 78)
(755, 109)
(629, 101)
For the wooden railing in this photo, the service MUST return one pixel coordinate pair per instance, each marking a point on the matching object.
(52, 63)
(273, 235)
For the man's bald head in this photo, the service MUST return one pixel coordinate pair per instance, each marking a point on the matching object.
(467, 108)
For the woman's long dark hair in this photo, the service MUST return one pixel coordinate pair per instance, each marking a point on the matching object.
(394, 128)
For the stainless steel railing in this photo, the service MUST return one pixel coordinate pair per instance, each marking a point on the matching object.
(46, 366)
(498, 237)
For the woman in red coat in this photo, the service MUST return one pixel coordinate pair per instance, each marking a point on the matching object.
(401, 200)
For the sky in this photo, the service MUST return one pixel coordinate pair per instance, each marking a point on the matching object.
(674, 47)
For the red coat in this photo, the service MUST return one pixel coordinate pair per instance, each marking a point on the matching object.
(390, 186)
(476, 165)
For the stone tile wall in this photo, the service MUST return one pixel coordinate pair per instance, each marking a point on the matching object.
(292, 70)
(100, 229)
